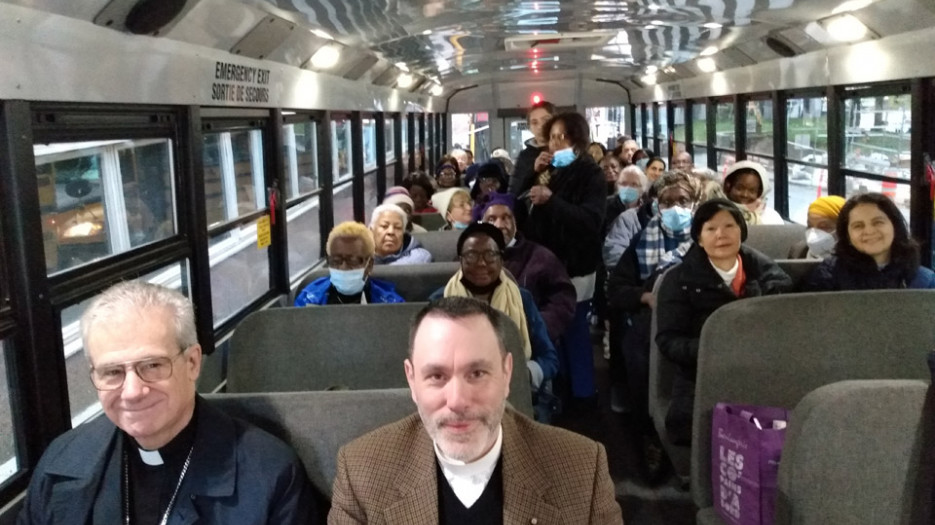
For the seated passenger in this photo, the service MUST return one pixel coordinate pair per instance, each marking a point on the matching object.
(447, 176)
(420, 190)
(466, 457)
(746, 184)
(350, 263)
(597, 151)
(161, 450)
(623, 214)
(820, 236)
(611, 166)
(399, 196)
(874, 250)
(683, 161)
(718, 269)
(392, 245)
(655, 167)
(454, 204)
(491, 179)
(481, 276)
(661, 244)
(534, 267)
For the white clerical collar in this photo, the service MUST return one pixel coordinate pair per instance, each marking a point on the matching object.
(468, 480)
(150, 457)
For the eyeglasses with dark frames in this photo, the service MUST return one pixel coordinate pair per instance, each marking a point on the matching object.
(473, 257)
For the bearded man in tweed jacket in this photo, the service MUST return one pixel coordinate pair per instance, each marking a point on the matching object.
(466, 457)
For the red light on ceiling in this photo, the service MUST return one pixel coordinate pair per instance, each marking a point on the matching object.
(536, 98)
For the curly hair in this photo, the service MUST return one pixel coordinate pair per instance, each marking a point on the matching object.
(680, 179)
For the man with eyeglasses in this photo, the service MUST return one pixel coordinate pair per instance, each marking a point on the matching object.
(162, 454)
(350, 249)
(480, 249)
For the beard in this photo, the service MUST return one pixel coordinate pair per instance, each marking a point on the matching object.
(464, 446)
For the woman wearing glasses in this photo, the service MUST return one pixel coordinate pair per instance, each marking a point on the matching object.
(480, 249)
(564, 211)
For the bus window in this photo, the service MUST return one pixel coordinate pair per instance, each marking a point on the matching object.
(8, 461)
(806, 153)
(103, 198)
(341, 149)
(300, 155)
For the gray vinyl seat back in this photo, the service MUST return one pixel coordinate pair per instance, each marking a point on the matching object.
(773, 350)
(774, 240)
(854, 453)
(661, 378)
(430, 221)
(798, 270)
(413, 282)
(443, 245)
(317, 424)
(355, 347)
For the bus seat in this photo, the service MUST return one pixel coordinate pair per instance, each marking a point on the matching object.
(443, 245)
(774, 350)
(317, 424)
(798, 270)
(855, 452)
(414, 282)
(661, 377)
(774, 240)
(432, 221)
(356, 347)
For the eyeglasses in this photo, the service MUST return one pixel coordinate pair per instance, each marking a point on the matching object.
(489, 256)
(337, 261)
(112, 377)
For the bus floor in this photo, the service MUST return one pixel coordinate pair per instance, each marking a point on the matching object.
(642, 504)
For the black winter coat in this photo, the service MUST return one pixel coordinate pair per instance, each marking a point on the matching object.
(569, 223)
(693, 290)
(524, 168)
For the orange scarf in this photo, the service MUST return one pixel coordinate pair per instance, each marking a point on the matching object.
(740, 279)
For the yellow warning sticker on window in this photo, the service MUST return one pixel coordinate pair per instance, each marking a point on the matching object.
(264, 236)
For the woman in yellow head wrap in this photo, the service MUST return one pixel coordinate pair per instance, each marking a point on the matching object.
(822, 220)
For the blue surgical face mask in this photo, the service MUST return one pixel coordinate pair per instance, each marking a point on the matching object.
(628, 195)
(677, 218)
(348, 282)
(563, 157)
(458, 225)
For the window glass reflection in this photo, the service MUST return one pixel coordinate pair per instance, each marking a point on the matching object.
(760, 127)
(300, 153)
(233, 163)
(370, 144)
(302, 225)
(807, 130)
(724, 126)
(9, 463)
(239, 271)
(82, 396)
(638, 132)
(678, 123)
(103, 198)
(341, 144)
(877, 135)
(699, 125)
(390, 139)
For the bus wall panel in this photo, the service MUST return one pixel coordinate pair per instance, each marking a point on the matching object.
(54, 58)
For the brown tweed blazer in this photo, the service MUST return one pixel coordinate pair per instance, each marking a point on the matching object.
(550, 476)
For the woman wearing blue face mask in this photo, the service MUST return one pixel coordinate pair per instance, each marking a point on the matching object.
(564, 211)
(662, 243)
(350, 250)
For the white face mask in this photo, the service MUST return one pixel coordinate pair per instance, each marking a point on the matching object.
(820, 243)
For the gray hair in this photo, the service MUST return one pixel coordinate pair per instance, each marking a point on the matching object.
(138, 295)
(381, 209)
(634, 169)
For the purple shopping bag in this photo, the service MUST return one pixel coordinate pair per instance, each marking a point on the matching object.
(746, 445)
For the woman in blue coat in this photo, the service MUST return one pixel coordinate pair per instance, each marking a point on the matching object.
(874, 250)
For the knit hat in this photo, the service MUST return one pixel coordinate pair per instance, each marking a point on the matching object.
(503, 199)
(442, 199)
(398, 195)
(829, 206)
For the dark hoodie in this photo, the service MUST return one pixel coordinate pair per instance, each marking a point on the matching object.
(524, 170)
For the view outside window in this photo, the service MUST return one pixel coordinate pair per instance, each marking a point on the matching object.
(606, 124)
(472, 131)
(806, 153)
(300, 152)
(341, 149)
(370, 144)
(700, 133)
(304, 232)
(390, 139)
(662, 133)
(234, 180)
(638, 132)
(759, 129)
(82, 396)
(103, 198)
(678, 127)
(877, 141)
(8, 461)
